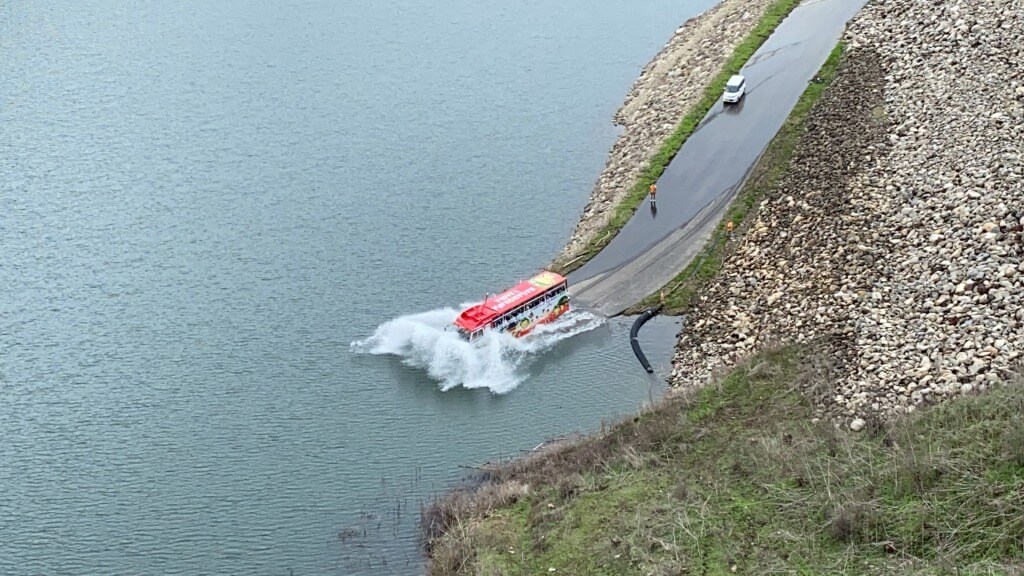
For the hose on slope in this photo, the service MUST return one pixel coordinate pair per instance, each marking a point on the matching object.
(640, 321)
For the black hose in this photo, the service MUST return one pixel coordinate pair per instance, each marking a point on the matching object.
(640, 321)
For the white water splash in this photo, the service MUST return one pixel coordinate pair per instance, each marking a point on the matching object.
(495, 362)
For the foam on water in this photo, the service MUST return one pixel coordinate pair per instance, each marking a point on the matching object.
(495, 362)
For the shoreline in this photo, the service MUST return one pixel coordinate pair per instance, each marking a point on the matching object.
(885, 260)
(737, 478)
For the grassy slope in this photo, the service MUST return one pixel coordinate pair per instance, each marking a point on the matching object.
(736, 479)
(737, 475)
(624, 211)
(772, 165)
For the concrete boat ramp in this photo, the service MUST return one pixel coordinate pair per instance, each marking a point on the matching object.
(702, 180)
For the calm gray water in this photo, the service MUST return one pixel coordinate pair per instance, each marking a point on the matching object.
(203, 205)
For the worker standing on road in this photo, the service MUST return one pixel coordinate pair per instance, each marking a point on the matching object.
(653, 192)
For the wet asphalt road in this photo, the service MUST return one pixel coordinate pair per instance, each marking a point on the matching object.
(703, 178)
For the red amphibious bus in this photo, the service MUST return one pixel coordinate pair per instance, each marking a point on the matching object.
(519, 309)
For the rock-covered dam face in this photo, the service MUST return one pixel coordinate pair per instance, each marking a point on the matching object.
(895, 241)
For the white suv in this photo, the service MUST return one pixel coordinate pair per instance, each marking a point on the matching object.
(735, 88)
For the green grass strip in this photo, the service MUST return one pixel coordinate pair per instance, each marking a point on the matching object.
(769, 170)
(624, 210)
(736, 478)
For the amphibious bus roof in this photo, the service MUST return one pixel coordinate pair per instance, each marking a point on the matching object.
(476, 317)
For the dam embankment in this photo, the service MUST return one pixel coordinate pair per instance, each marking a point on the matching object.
(897, 234)
(667, 89)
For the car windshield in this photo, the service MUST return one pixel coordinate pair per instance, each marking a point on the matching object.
(732, 88)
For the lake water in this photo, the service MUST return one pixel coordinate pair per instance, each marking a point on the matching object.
(214, 217)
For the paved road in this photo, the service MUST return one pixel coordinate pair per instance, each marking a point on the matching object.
(702, 180)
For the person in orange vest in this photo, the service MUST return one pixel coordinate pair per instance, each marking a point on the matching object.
(653, 190)
(728, 228)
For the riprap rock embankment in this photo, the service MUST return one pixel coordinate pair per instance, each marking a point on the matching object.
(896, 237)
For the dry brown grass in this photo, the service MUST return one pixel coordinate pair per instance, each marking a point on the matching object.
(736, 474)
